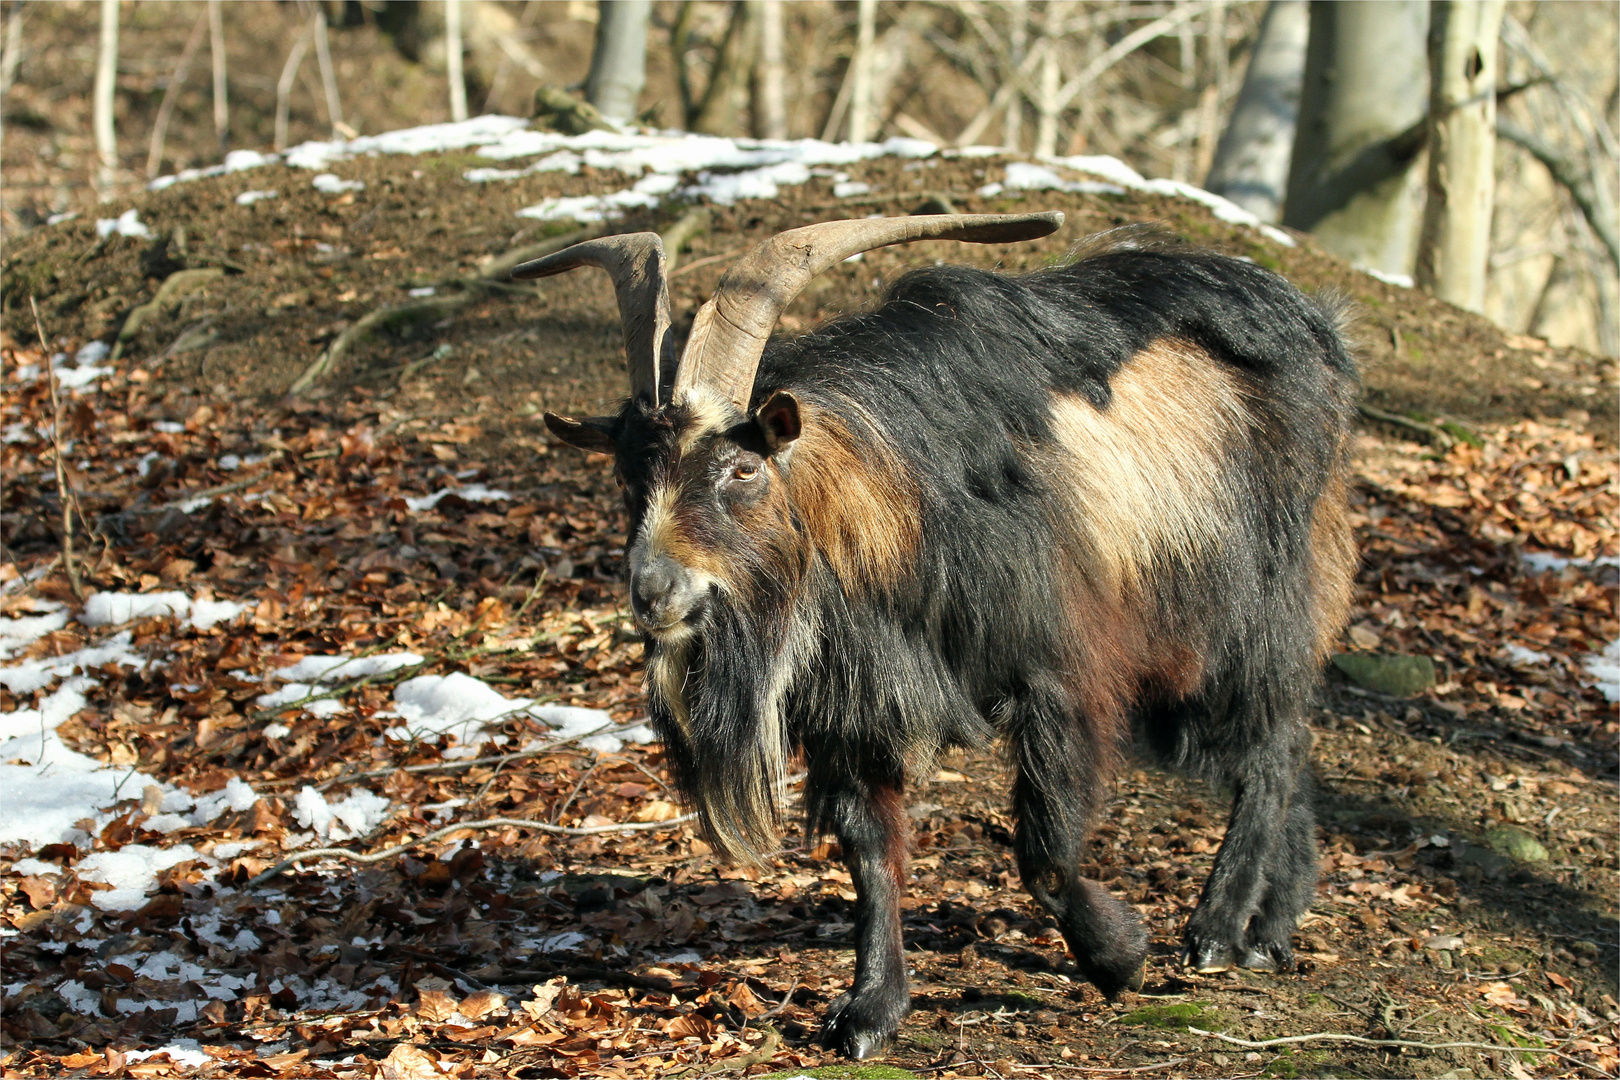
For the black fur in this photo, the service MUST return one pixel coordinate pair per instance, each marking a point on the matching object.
(954, 378)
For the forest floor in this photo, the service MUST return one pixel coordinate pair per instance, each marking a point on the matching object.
(1468, 830)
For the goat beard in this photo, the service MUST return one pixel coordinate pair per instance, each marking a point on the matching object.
(714, 699)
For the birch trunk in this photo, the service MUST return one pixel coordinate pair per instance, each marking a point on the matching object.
(619, 61)
(452, 60)
(106, 83)
(769, 93)
(1353, 178)
(860, 103)
(1454, 253)
(216, 48)
(1251, 160)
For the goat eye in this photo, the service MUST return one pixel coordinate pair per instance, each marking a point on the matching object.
(745, 472)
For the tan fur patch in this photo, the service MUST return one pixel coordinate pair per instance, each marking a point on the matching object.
(1334, 558)
(706, 413)
(662, 531)
(1146, 472)
(859, 506)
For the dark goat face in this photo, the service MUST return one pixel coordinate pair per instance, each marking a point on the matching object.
(706, 496)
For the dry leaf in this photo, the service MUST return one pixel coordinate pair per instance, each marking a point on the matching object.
(479, 1005)
(407, 1062)
(435, 1006)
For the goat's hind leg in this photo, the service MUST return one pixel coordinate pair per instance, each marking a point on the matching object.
(1059, 782)
(873, 831)
(1290, 883)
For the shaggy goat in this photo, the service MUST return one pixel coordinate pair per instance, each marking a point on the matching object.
(1097, 500)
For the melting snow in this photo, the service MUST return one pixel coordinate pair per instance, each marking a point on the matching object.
(328, 184)
(327, 668)
(1605, 668)
(248, 198)
(131, 871)
(357, 815)
(472, 493)
(113, 608)
(126, 224)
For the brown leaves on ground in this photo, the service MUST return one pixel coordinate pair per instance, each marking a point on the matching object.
(506, 952)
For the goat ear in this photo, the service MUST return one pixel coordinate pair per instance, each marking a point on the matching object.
(594, 433)
(778, 420)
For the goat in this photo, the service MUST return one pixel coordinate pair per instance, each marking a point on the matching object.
(1097, 501)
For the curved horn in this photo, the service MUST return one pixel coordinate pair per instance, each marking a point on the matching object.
(640, 277)
(730, 332)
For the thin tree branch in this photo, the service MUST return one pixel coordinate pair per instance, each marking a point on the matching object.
(1577, 181)
(63, 488)
(488, 823)
(171, 94)
(1319, 1036)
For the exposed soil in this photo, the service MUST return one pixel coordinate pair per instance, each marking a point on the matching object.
(322, 544)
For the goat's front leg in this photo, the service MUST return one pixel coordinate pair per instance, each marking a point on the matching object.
(872, 828)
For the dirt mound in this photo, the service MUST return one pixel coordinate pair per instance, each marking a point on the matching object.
(299, 268)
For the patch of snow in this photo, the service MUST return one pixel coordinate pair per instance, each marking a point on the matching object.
(237, 795)
(248, 198)
(169, 427)
(357, 815)
(27, 676)
(329, 668)
(330, 184)
(427, 139)
(566, 941)
(184, 1052)
(848, 189)
(296, 692)
(235, 161)
(425, 290)
(113, 608)
(132, 871)
(80, 999)
(18, 633)
(275, 730)
(207, 614)
(93, 352)
(126, 224)
(1605, 668)
(1541, 561)
(472, 493)
(456, 704)
(594, 208)
(1521, 655)
(57, 219)
(1403, 281)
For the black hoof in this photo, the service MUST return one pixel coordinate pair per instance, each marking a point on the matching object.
(856, 1030)
(1267, 956)
(1209, 957)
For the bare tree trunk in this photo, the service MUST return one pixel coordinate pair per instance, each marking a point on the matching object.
(452, 59)
(1012, 128)
(1251, 160)
(216, 43)
(11, 56)
(171, 93)
(860, 102)
(323, 56)
(769, 91)
(106, 83)
(1454, 254)
(289, 72)
(619, 62)
(1046, 130)
(1353, 179)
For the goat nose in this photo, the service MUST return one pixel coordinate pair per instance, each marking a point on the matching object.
(652, 586)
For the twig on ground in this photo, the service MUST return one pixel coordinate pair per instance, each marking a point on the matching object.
(787, 999)
(488, 823)
(767, 1050)
(63, 489)
(1359, 1040)
(1430, 433)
